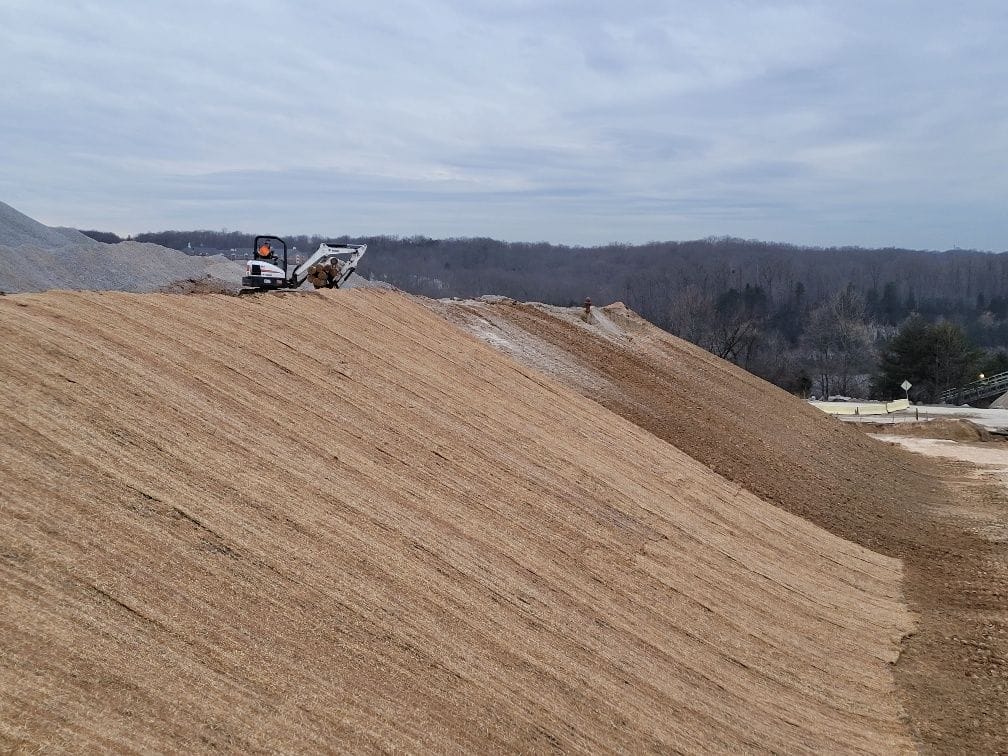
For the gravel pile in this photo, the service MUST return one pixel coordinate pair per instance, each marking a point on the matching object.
(359, 282)
(19, 230)
(35, 257)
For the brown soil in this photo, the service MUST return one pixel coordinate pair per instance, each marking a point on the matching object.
(951, 429)
(953, 673)
(370, 532)
(205, 285)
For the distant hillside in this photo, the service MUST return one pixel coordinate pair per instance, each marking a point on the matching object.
(809, 319)
(106, 237)
(894, 281)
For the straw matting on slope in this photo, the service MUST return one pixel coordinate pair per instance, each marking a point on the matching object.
(784, 450)
(954, 670)
(362, 529)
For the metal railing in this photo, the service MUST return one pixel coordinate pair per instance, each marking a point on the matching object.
(994, 384)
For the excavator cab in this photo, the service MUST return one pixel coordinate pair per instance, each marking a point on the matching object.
(266, 269)
(266, 247)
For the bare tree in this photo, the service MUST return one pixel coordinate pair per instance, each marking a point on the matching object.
(838, 344)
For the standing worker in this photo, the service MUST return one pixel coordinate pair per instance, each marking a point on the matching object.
(587, 306)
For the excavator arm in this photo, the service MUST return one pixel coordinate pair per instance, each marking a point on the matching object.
(329, 267)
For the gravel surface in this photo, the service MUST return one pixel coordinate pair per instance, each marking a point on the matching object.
(35, 257)
(358, 282)
(17, 229)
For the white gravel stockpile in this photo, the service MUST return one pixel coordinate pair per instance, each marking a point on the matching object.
(19, 230)
(35, 257)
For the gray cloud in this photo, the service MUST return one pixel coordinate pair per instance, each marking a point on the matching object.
(569, 121)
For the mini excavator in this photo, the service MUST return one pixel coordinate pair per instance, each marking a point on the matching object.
(328, 268)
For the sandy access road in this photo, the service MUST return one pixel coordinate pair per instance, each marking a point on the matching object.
(953, 673)
(425, 547)
(987, 461)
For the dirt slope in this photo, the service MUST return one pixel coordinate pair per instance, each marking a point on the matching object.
(950, 429)
(369, 531)
(786, 451)
(954, 671)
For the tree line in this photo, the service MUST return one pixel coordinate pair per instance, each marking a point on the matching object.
(814, 320)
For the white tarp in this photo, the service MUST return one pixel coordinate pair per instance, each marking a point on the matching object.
(862, 408)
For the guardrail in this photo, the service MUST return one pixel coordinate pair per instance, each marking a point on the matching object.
(989, 386)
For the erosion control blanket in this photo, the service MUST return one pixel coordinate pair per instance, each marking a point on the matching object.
(361, 528)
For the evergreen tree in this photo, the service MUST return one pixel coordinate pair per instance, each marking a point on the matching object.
(955, 357)
(932, 357)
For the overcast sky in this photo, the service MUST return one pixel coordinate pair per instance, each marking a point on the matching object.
(577, 121)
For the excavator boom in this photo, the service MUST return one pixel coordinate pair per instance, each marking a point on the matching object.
(330, 266)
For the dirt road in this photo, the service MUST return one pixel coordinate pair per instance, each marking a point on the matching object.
(987, 516)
